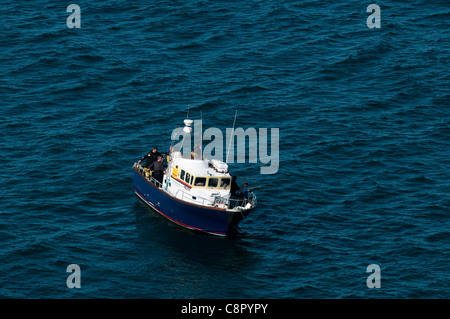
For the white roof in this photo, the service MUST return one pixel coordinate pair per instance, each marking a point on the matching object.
(197, 167)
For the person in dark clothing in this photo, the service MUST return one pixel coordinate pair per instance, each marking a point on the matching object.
(158, 169)
(243, 191)
(234, 186)
(150, 157)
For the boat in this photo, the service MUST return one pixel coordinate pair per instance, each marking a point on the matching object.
(194, 192)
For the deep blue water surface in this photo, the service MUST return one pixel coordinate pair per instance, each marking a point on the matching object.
(364, 120)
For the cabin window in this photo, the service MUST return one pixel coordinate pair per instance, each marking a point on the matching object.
(182, 174)
(192, 179)
(213, 182)
(224, 182)
(200, 181)
(188, 177)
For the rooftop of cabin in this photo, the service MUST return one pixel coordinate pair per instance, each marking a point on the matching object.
(197, 167)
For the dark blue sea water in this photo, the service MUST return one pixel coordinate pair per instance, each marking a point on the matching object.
(364, 122)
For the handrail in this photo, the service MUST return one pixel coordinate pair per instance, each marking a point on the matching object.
(153, 180)
(235, 202)
(183, 193)
(150, 177)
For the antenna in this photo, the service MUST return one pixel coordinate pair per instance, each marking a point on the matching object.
(231, 137)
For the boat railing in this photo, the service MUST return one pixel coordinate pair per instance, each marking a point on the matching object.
(147, 174)
(156, 182)
(232, 202)
(219, 201)
(190, 198)
(252, 198)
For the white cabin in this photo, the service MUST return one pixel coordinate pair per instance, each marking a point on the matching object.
(198, 181)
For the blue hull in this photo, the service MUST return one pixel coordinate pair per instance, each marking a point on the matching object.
(212, 220)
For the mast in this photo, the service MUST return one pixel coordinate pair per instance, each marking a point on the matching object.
(231, 137)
